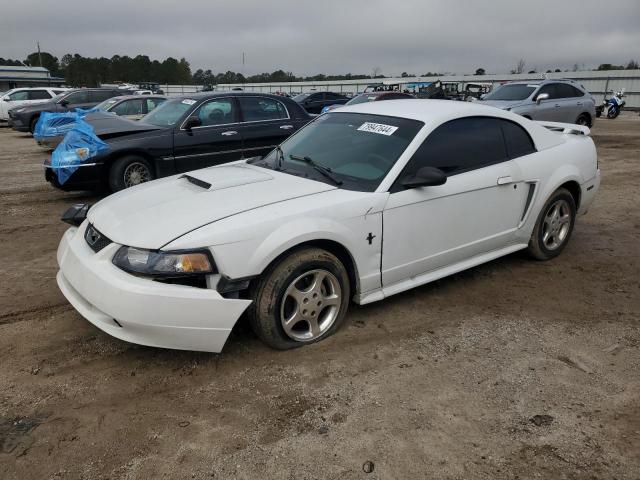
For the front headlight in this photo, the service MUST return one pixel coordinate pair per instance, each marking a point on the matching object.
(164, 264)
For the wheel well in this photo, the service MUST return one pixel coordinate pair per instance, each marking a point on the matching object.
(590, 122)
(330, 246)
(118, 155)
(574, 190)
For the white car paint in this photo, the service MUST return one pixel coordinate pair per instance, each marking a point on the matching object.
(251, 215)
(8, 101)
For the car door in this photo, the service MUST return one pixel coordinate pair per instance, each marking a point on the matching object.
(216, 140)
(265, 124)
(78, 99)
(315, 102)
(549, 110)
(570, 103)
(477, 210)
(334, 99)
(15, 99)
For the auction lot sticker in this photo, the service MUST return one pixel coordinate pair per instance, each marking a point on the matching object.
(379, 128)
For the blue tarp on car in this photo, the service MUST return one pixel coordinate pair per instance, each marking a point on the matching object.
(52, 124)
(79, 144)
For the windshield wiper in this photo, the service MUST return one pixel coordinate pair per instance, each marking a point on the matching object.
(326, 171)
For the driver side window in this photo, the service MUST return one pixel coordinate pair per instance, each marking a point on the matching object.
(220, 111)
(459, 146)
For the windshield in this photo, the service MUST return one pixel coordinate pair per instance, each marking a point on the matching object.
(511, 92)
(301, 97)
(169, 113)
(106, 105)
(359, 149)
(362, 98)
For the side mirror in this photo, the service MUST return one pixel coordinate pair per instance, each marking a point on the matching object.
(64, 103)
(482, 96)
(425, 177)
(192, 122)
(6, 99)
(542, 96)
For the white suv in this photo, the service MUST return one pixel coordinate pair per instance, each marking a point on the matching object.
(25, 96)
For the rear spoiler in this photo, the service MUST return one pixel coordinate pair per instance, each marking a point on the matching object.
(568, 128)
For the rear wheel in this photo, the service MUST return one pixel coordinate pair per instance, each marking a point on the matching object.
(554, 226)
(584, 119)
(128, 172)
(300, 300)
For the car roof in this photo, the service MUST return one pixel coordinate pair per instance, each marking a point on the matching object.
(434, 113)
(543, 81)
(224, 93)
(423, 110)
(135, 97)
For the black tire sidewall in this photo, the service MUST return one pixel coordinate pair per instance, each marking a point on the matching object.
(116, 171)
(32, 124)
(269, 326)
(561, 194)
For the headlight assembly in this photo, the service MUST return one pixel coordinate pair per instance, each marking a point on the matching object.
(164, 264)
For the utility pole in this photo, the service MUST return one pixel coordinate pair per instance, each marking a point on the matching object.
(39, 55)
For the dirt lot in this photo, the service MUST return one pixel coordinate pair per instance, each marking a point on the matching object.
(515, 369)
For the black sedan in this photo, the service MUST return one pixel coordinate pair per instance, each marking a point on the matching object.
(183, 134)
(314, 102)
(24, 119)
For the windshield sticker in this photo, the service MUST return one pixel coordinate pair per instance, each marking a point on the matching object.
(188, 101)
(379, 128)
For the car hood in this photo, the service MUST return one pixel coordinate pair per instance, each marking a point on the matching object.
(502, 103)
(44, 106)
(153, 214)
(108, 125)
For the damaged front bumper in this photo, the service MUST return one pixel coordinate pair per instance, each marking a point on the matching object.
(141, 310)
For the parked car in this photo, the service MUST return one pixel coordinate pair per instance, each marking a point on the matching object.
(362, 203)
(550, 100)
(24, 119)
(19, 97)
(129, 106)
(314, 102)
(184, 134)
(370, 97)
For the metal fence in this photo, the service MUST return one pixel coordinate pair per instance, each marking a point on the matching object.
(596, 82)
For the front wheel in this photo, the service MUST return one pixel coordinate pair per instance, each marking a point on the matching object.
(32, 124)
(128, 172)
(300, 300)
(554, 226)
(613, 113)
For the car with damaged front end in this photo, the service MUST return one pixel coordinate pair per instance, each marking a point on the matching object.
(362, 203)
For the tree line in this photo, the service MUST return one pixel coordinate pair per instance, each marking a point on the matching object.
(87, 71)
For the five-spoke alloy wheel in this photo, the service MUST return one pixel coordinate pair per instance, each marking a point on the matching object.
(554, 226)
(300, 299)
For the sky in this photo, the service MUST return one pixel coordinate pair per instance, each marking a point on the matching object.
(349, 36)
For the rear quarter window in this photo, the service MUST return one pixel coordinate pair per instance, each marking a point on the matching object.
(516, 139)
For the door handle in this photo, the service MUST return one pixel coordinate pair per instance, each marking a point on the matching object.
(229, 133)
(557, 105)
(505, 180)
(579, 104)
(286, 127)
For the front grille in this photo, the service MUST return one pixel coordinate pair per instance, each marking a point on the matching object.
(96, 240)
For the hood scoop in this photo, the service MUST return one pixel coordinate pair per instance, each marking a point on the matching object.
(219, 178)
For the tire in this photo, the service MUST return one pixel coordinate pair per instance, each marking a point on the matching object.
(274, 299)
(611, 114)
(129, 171)
(584, 119)
(32, 124)
(552, 233)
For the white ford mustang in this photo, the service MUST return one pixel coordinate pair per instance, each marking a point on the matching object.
(360, 204)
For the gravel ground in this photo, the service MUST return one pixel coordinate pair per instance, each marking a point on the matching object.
(514, 369)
